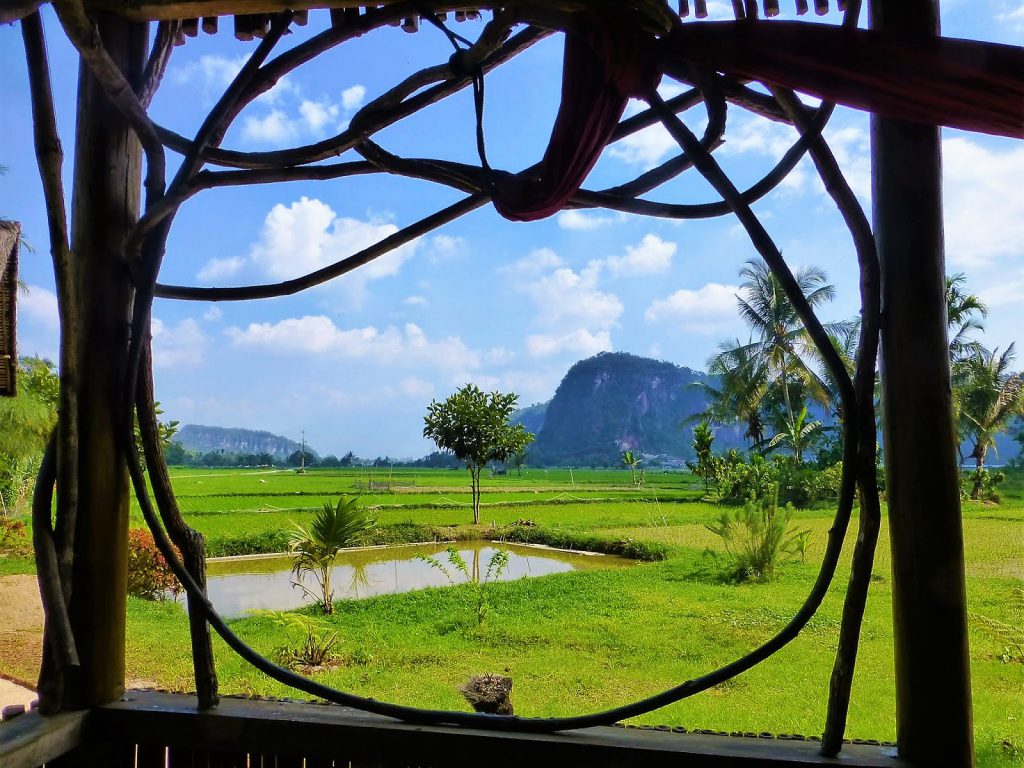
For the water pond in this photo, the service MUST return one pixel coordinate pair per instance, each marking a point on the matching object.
(237, 585)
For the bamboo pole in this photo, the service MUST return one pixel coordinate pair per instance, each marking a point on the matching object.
(105, 205)
(933, 693)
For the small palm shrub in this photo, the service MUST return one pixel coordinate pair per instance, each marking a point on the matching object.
(496, 565)
(758, 539)
(315, 548)
(149, 575)
(316, 649)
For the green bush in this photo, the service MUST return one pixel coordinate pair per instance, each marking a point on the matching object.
(149, 576)
(560, 539)
(256, 543)
(742, 481)
(758, 539)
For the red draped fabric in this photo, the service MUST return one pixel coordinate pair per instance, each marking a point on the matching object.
(602, 68)
(964, 84)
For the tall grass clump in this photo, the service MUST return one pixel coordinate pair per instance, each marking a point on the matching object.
(758, 539)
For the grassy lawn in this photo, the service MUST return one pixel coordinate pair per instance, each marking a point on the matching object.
(583, 641)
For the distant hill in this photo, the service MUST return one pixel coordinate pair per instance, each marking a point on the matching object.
(531, 417)
(196, 437)
(614, 402)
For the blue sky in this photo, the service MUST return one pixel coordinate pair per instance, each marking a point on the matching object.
(355, 362)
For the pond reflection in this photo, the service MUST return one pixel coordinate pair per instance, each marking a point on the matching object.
(265, 583)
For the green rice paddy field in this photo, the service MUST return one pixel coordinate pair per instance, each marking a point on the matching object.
(583, 641)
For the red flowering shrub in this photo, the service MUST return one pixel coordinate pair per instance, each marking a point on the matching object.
(149, 576)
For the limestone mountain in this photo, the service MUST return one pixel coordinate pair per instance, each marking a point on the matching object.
(204, 439)
(614, 402)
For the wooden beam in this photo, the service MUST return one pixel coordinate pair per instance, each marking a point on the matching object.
(31, 740)
(933, 692)
(319, 732)
(105, 202)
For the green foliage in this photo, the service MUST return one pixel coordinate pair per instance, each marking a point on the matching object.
(1008, 634)
(248, 543)
(316, 649)
(560, 538)
(742, 480)
(166, 430)
(13, 535)
(149, 576)
(496, 565)
(983, 483)
(798, 484)
(314, 548)
(25, 425)
(798, 434)
(707, 467)
(757, 539)
(632, 461)
(474, 426)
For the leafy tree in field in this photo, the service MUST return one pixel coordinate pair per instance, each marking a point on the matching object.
(798, 435)
(518, 461)
(314, 548)
(742, 382)
(989, 396)
(781, 338)
(705, 466)
(25, 425)
(631, 460)
(474, 426)
(298, 458)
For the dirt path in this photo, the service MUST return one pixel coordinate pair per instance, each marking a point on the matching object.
(21, 628)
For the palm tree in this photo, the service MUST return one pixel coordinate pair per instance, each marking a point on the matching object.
(741, 383)
(315, 548)
(631, 461)
(989, 396)
(797, 435)
(781, 336)
(965, 311)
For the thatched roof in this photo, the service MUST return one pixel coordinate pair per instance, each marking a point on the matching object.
(10, 233)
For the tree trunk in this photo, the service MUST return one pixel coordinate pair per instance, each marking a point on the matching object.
(474, 475)
(105, 202)
(933, 678)
(979, 464)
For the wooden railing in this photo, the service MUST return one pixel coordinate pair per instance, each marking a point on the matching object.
(153, 730)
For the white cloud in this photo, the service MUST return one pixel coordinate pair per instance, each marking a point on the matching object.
(307, 235)
(645, 148)
(579, 342)
(275, 127)
(566, 296)
(582, 222)
(702, 310)
(352, 98)
(213, 314)
(443, 247)
(499, 355)
(317, 334)
(39, 305)
(218, 269)
(1013, 16)
(538, 262)
(415, 301)
(318, 115)
(650, 257)
(414, 387)
(214, 73)
(983, 206)
(181, 345)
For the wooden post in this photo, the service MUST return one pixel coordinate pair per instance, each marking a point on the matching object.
(105, 203)
(933, 693)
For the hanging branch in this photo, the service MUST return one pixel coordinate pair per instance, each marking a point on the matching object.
(360, 128)
(870, 508)
(55, 549)
(365, 256)
(84, 35)
(189, 542)
(159, 58)
(59, 649)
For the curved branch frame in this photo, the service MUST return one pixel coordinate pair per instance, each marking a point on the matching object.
(145, 249)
